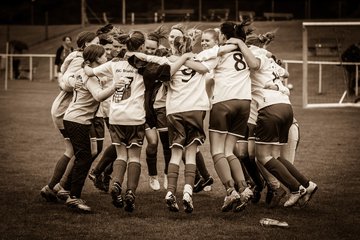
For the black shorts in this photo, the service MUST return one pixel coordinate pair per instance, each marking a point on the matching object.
(97, 129)
(230, 117)
(127, 135)
(186, 128)
(273, 123)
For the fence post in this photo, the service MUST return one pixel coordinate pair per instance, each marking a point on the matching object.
(11, 72)
(320, 78)
(30, 68)
(132, 18)
(155, 17)
(6, 65)
(357, 80)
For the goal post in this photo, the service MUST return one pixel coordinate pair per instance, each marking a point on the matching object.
(328, 80)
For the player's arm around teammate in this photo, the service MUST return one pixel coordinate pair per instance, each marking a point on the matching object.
(275, 116)
(77, 122)
(71, 64)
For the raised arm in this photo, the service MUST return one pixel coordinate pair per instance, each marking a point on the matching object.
(197, 66)
(251, 60)
(175, 66)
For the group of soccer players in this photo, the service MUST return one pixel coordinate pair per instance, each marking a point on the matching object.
(139, 88)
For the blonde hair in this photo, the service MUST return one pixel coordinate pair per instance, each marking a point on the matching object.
(183, 44)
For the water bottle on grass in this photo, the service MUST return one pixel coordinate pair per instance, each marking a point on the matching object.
(268, 222)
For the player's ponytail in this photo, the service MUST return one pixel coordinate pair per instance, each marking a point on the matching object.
(158, 34)
(233, 30)
(183, 44)
(133, 41)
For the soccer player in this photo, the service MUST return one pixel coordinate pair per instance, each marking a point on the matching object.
(100, 174)
(287, 151)
(152, 43)
(231, 98)
(77, 122)
(275, 116)
(71, 65)
(179, 30)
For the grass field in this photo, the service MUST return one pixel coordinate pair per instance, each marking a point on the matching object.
(30, 146)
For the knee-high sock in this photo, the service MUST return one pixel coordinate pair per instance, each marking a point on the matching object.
(59, 170)
(108, 157)
(119, 169)
(151, 161)
(236, 171)
(99, 145)
(190, 174)
(164, 138)
(246, 174)
(223, 170)
(173, 174)
(200, 164)
(277, 169)
(253, 171)
(65, 181)
(301, 178)
(134, 170)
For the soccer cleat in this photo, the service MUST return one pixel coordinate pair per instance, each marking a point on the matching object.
(129, 201)
(165, 181)
(295, 196)
(245, 196)
(115, 192)
(97, 180)
(48, 194)
(78, 204)
(154, 183)
(170, 200)
(63, 194)
(230, 200)
(198, 186)
(188, 203)
(278, 194)
(201, 184)
(57, 188)
(310, 191)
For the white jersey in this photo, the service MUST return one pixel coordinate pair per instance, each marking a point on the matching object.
(187, 88)
(231, 78)
(127, 104)
(268, 72)
(187, 92)
(83, 106)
